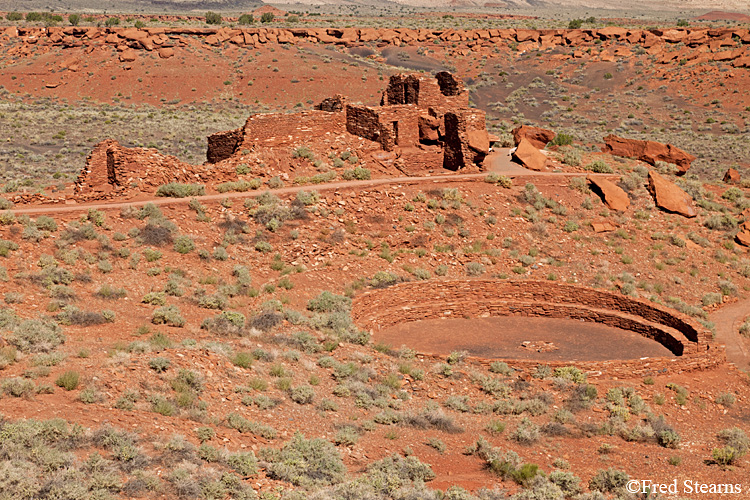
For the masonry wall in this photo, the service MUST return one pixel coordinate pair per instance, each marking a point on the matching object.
(476, 298)
(222, 145)
(363, 121)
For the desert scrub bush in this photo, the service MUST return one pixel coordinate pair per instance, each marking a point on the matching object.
(599, 167)
(107, 291)
(526, 433)
(184, 244)
(499, 180)
(356, 173)
(474, 269)
(17, 387)
(736, 445)
(305, 462)
(303, 394)
(608, 480)
(71, 315)
(32, 335)
(159, 364)
(168, 315)
(239, 186)
(241, 424)
(68, 380)
(570, 373)
(180, 190)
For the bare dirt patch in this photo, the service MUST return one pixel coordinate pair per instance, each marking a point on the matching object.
(503, 338)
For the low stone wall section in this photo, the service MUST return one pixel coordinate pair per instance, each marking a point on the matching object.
(408, 302)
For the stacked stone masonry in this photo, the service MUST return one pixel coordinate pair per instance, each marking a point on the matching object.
(688, 340)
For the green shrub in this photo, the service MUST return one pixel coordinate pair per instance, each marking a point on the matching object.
(213, 18)
(303, 394)
(358, 173)
(267, 17)
(599, 167)
(159, 364)
(168, 315)
(184, 244)
(244, 463)
(305, 462)
(14, 16)
(35, 335)
(180, 190)
(246, 19)
(562, 139)
(608, 480)
(68, 380)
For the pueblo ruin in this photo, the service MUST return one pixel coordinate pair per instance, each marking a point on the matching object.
(422, 120)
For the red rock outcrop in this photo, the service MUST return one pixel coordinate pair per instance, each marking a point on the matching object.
(612, 195)
(529, 156)
(670, 197)
(648, 151)
(732, 176)
(538, 137)
(743, 236)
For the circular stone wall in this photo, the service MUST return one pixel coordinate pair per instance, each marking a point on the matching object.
(688, 343)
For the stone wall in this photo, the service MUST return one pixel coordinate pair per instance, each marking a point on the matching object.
(407, 302)
(222, 145)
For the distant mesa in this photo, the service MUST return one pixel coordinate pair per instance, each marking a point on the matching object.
(719, 15)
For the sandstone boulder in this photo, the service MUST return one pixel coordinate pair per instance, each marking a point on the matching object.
(732, 176)
(529, 156)
(670, 197)
(612, 195)
(743, 236)
(166, 52)
(479, 141)
(648, 151)
(429, 128)
(128, 55)
(538, 137)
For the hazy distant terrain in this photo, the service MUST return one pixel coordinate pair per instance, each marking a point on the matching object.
(630, 6)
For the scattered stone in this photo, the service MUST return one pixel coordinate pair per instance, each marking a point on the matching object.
(166, 52)
(538, 137)
(612, 195)
(732, 176)
(670, 197)
(128, 55)
(603, 226)
(529, 156)
(743, 236)
(648, 151)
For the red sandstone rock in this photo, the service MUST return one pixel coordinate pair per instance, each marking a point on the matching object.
(612, 195)
(529, 156)
(670, 197)
(732, 176)
(166, 52)
(743, 236)
(479, 140)
(429, 128)
(128, 55)
(538, 137)
(648, 151)
(603, 226)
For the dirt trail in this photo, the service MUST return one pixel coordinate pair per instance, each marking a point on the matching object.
(497, 163)
(728, 320)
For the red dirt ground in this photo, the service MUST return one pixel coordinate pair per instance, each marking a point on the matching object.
(503, 338)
